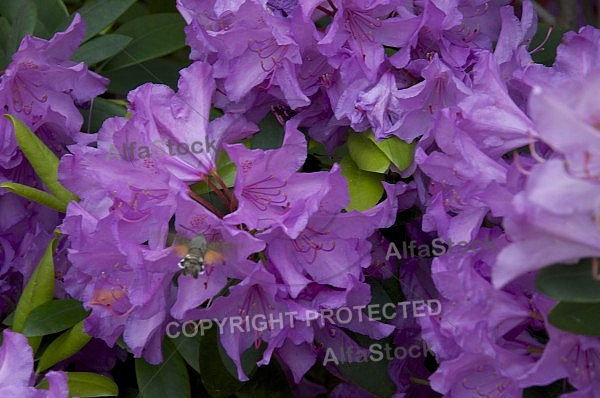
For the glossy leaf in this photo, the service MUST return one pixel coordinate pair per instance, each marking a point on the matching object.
(100, 109)
(63, 347)
(22, 15)
(366, 154)
(99, 14)
(365, 188)
(100, 48)
(399, 152)
(270, 134)
(53, 317)
(189, 349)
(43, 160)
(578, 318)
(84, 385)
(215, 377)
(4, 32)
(153, 36)
(163, 71)
(248, 360)
(35, 195)
(268, 382)
(38, 290)
(51, 15)
(169, 379)
(570, 282)
(372, 376)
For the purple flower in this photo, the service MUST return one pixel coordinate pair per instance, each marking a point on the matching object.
(409, 112)
(566, 355)
(361, 29)
(235, 246)
(16, 371)
(552, 221)
(491, 115)
(256, 296)
(219, 34)
(284, 8)
(42, 87)
(270, 192)
(171, 131)
(576, 56)
(333, 248)
(471, 374)
(120, 268)
(554, 218)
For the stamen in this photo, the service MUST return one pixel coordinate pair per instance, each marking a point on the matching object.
(518, 164)
(539, 47)
(533, 151)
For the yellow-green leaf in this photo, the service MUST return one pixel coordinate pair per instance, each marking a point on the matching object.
(399, 152)
(84, 384)
(35, 195)
(43, 160)
(65, 345)
(366, 155)
(365, 188)
(39, 290)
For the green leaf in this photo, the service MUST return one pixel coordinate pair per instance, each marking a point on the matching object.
(366, 154)
(100, 48)
(65, 345)
(101, 13)
(554, 390)
(371, 376)
(578, 318)
(389, 51)
(163, 71)
(268, 382)
(51, 15)
(189, 349)
(43, 160)
(399, 152)
(169, 379)
(364, 187)
(8, 321)
(157, 6)
(569, 282)
(4, 33)
(270, 134)
(84, 385)
(22, 15)
(101, 109)
(214, 374)
(35, 195)
(248, 360)
(226, 168)
(153, 36)
(53, 317)
(38, 290)
(137, 10)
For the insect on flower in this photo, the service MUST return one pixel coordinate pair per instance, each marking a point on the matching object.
(199, 257)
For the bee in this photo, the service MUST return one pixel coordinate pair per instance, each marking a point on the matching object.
(199, 257)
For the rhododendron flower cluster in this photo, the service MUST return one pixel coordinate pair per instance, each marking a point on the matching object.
(479, 143)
